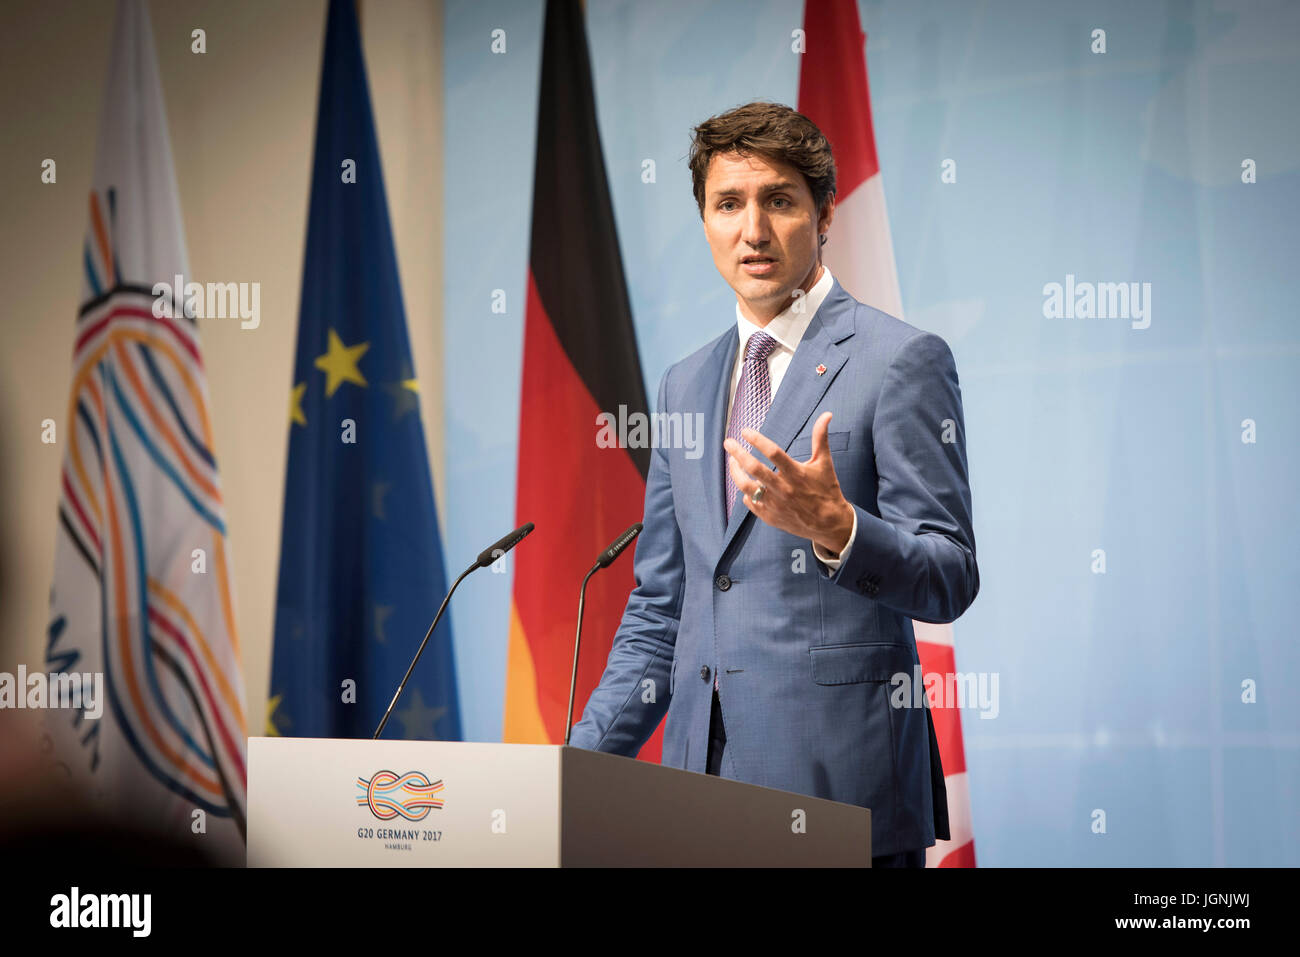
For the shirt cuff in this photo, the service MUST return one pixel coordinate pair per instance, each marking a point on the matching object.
(833, 562)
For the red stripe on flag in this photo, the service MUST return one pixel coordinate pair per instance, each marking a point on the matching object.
(145, 314)
(941, 660)
(833, 90)
(234, 752)
(963, 856)
(81, 514)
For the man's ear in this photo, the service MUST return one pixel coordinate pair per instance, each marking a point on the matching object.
(828, 214)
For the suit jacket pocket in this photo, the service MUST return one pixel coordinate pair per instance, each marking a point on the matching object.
(801, 448)
(853, 664)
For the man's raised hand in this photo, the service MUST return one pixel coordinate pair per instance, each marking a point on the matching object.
(802, 498)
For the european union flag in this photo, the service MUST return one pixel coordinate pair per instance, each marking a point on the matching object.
(361, 571)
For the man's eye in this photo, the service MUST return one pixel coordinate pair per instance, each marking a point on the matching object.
(723, 205)
(781, 199)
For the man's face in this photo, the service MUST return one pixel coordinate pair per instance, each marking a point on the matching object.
(763, 231)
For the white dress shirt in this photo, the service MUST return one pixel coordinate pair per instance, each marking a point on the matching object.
(787, 328)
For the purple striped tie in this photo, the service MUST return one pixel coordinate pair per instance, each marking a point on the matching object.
(753, 396)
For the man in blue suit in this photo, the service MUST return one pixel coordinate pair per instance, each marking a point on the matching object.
(778, 575)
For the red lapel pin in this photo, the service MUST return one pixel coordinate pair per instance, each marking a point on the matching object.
(821, 370)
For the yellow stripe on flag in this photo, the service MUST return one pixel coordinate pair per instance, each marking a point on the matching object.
(523, 719)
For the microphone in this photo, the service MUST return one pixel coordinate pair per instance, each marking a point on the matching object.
(604, 561)
(493, 552)
(623, 541)
(485, 558)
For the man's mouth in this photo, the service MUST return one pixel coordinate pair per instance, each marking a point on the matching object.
(758, 265)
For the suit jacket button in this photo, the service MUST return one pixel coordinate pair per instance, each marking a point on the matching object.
(723, 582)
(704, 672)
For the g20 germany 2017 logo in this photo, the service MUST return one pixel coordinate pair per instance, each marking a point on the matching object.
(411, 795)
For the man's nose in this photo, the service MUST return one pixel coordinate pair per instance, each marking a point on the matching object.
(755, 230)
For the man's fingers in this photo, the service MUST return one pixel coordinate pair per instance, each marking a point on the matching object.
(744, 481)
(775, 454)
(820, 429)
(760, 441)
(747, 461)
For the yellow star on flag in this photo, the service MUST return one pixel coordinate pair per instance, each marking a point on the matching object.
(340, 363)
(271, 730)
(295, 404)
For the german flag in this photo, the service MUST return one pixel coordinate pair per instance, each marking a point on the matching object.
(580, 359)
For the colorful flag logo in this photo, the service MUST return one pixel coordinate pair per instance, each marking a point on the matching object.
(142, 590)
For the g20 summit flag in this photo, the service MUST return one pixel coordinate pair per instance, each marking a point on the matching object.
(361, 571)
(142, 591)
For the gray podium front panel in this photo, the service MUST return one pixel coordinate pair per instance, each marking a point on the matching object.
(615, 811)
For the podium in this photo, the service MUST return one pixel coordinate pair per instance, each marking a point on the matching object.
(324, 802)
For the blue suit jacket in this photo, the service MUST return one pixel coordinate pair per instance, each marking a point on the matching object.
(804, 660)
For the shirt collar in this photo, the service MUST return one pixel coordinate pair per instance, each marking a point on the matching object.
(789, 326)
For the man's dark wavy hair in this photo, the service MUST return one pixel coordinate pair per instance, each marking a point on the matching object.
(771, 130)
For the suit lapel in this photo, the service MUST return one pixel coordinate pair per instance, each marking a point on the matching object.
(802, 387)
(711, 398)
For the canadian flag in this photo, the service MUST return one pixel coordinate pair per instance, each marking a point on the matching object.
(833, 93)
